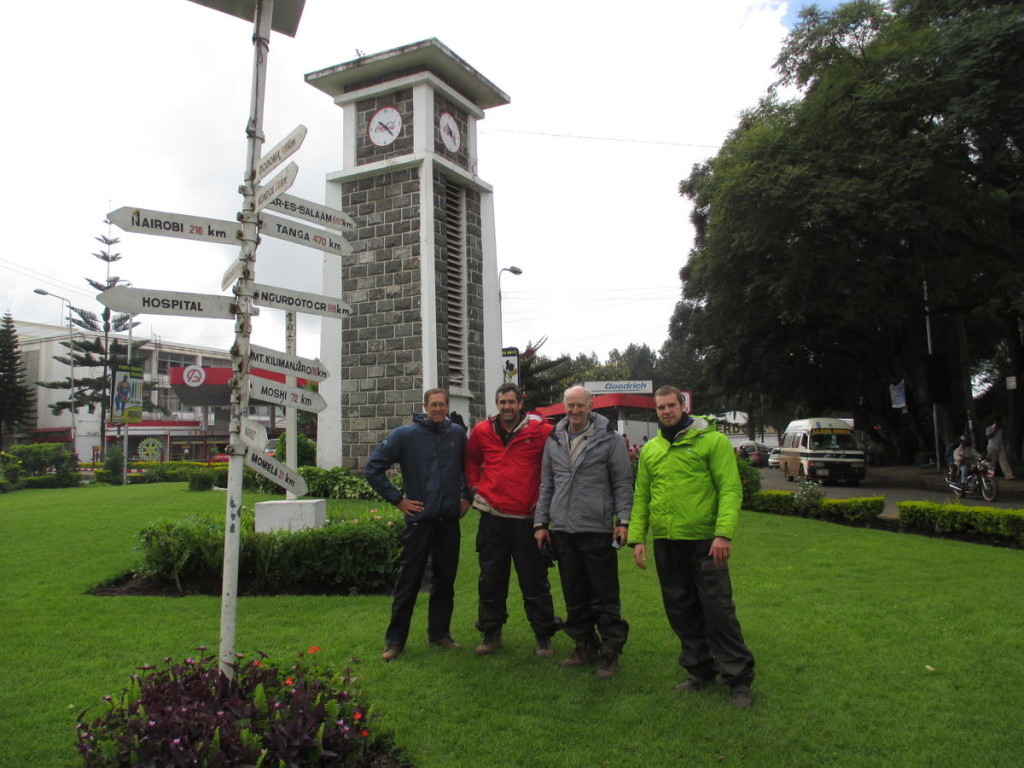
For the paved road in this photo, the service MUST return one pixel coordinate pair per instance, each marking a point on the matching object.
(898, 485)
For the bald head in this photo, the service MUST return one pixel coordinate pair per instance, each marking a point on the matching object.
(577, 407)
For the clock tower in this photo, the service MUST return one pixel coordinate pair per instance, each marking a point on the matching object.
(423, 280)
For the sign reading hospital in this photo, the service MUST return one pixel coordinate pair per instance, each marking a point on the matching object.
(620, 387)
(143, 301)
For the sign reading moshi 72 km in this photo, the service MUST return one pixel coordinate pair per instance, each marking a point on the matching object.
(149, 222)
(269, 391)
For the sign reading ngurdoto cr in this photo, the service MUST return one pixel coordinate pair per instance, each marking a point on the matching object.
(299, 301)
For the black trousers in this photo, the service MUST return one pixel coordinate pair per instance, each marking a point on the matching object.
(438, 540)
(500, 542)
(698, 602)
(588, 567)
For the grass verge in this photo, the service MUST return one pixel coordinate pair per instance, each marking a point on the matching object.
(845, 624)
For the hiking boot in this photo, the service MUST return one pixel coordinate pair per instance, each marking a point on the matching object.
(544, 648)
(490, 643)
(446, 643)
(607, 665)
(741, 698)
(581, 655)
(694, 683)
(391, 652)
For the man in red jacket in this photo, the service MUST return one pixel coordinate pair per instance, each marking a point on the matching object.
(503, 459)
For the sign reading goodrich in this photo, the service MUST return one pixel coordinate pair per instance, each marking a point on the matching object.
(620, 387)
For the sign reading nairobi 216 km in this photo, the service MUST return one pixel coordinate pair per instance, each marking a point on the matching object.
(164, 224)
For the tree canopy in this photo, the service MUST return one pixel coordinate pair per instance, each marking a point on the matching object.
(825, 219)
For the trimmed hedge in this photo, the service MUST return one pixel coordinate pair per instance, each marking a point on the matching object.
(346, 556)
(864, 510)
(69, 480)
(1004, 525)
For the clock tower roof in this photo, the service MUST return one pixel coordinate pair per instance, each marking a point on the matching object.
(428, 55)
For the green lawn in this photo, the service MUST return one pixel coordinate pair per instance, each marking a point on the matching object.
(844, 623)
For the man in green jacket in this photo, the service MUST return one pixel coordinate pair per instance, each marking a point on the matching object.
(688, 495)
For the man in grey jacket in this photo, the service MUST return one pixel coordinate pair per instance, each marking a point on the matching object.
(586, 492)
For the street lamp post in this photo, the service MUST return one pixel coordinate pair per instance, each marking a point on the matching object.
(501, 315)
(71, 362)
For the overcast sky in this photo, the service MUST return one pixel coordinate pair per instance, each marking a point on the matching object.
(143, 103)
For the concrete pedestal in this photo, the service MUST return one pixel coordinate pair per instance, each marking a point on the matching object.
(290, 515)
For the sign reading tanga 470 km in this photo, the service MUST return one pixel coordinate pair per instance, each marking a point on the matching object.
(176, 225)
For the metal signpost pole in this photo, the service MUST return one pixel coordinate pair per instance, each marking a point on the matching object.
(291, 420)
(124, 424)
(243, 328)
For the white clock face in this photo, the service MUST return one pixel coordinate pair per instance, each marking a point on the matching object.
(449, 129)
(384, 127)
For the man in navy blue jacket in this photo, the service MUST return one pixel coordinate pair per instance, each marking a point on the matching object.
(430, 452)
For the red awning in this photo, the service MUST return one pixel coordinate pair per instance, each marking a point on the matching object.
(599, 402)
(211, 386)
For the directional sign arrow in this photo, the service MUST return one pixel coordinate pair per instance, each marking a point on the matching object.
(142, 301)
(284, 149)
(269, 391)
(254, 435)
(232, 273)
(274, 470)
(290, 365)
(299, 301)
(176, 225)
(276, 187)
(314, 212)
(318, 239)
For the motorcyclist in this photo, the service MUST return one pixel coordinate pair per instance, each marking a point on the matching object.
(964, 456)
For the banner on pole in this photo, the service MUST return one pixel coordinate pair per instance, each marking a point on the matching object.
(126, 399)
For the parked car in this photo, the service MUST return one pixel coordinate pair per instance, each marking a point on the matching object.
(755, 453)
(773, 457)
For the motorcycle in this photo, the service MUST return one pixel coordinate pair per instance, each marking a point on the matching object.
(981, 480)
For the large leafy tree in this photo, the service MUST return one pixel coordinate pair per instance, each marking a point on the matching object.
(822, 219)
(97, 350)
(16, 397)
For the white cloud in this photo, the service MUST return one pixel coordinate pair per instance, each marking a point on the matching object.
(122, 102)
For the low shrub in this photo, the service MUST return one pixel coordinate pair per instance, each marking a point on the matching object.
(40, 458)
(163, 472)
(864, 510)
(201, 479)
(190, 713)
(346, 556)
(10, 468)
(1003, 525)
(69, 480)
(750, 477)
(306, 448)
